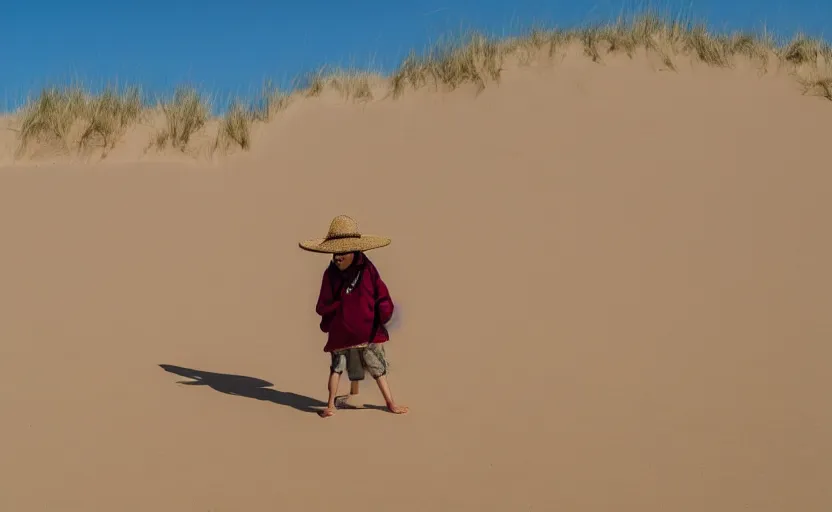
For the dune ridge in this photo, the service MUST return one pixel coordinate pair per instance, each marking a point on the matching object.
(63, 122)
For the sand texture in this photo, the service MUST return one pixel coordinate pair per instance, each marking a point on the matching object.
(613, 287)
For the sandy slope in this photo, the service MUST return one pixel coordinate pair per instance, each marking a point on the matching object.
(613, 286)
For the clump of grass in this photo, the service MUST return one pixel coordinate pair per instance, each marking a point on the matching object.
(54, 115)
(558, 39)
(626, 36)
(527, 46)
(710, 49)
(274, 101)
(185, 114)
(109, 114)
(620, 38)
(803, 50)
(718, 50)
(646, 28)
(51, 116)
(268, 102)
(475, 61)
(315, 83)
(590, 39)
(617, 38)
(351, 84)
(236, 125)
(749, 46)
(818, 86)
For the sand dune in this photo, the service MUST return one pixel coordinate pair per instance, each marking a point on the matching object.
(613, 286)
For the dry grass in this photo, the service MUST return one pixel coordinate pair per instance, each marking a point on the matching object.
(351, 84)
(185, 114)
(818, 86)
(273, 101)
(650, 33)
(451, 64)
(526, 47)
(51, 116)
(805, 51)
(236, 125)
(109, 115)
(72, 118)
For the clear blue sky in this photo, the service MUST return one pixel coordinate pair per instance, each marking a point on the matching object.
(231, 47)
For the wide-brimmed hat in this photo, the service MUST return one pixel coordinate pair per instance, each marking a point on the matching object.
(343, 236)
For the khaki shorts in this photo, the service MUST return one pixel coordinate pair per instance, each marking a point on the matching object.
(356, 360)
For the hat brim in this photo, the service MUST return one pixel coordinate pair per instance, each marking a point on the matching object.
(342, 245)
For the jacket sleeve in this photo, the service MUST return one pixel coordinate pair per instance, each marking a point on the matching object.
(384, 302)
(326, 302)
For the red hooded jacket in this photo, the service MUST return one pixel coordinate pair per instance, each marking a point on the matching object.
(354, 316)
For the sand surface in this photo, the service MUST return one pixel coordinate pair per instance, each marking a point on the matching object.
(613, 287)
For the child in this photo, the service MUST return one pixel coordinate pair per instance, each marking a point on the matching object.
(354, 304)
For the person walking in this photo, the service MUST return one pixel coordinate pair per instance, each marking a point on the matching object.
(354, 304)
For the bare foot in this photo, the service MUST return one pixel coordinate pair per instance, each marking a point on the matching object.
(326, 413)
(397, 409)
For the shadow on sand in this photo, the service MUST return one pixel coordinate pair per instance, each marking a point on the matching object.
(249, 387)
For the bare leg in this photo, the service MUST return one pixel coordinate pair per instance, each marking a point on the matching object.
(334, 378)
(354, 387)
(388, 396)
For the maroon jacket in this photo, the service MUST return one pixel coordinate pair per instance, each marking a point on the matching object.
(356, 316)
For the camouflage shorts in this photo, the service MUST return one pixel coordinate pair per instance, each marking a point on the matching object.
(356, 360)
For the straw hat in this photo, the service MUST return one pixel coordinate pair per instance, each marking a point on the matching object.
(343, 236)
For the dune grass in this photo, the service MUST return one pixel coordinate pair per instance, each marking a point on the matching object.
(818, 86)
(237, 123)
(72, 118)
(475, 60)
(51, 116)
(352, 84)
(109, 115)
(185, 114)
(236, 126)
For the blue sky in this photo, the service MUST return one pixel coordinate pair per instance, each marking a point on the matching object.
(231, 47)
